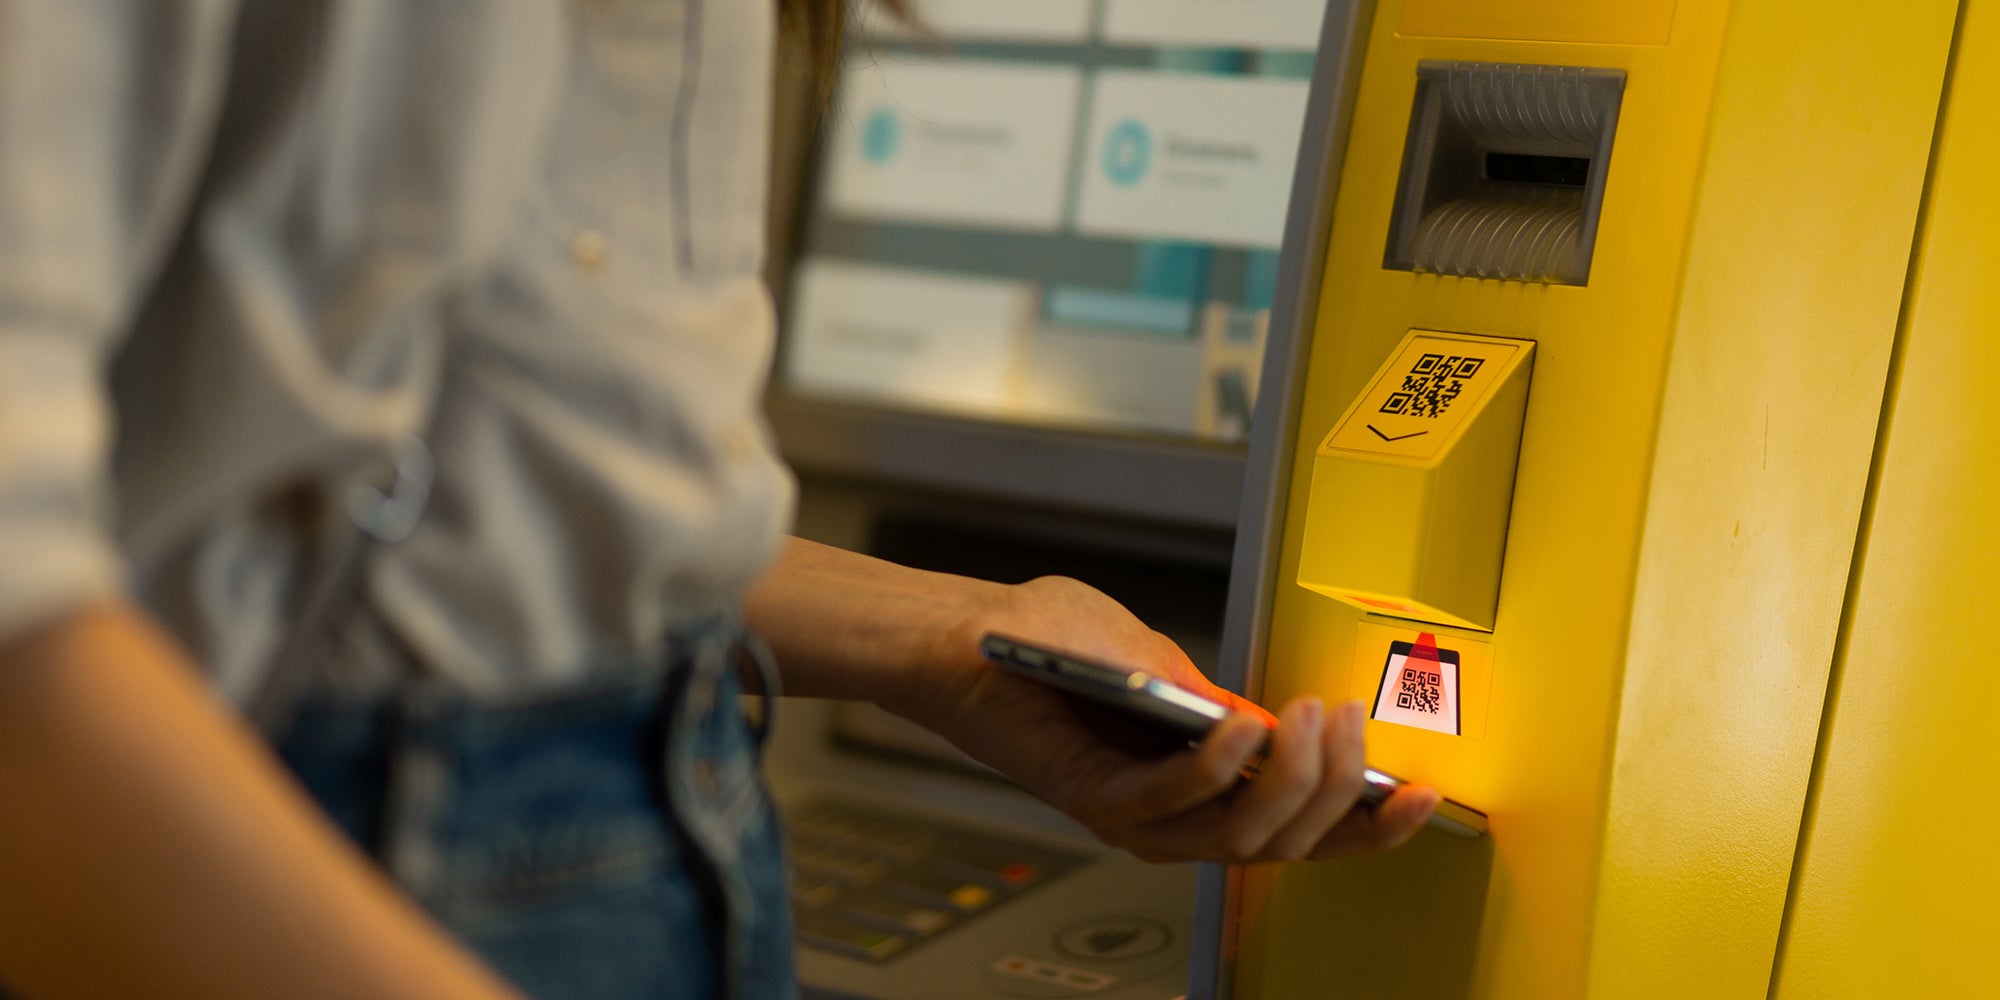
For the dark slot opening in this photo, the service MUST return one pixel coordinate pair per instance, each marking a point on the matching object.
(1522, 168)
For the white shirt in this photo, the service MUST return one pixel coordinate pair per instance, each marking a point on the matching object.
(245, 247)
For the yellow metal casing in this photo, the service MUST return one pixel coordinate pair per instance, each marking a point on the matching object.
(1637, 22)
(1408, 509)
(1895, 890)
(1690, 482)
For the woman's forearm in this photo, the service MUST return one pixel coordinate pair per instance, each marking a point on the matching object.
(852, 626)
(150, 846)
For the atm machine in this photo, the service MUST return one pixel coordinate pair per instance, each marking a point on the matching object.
(1022, 332)
(1627, 446)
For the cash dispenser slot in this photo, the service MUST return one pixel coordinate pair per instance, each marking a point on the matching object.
(1529, 168)
(1504, 170)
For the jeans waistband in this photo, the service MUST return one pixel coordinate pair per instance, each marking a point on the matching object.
(480, 803)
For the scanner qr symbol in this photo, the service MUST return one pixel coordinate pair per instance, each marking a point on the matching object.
(1421, 691)
(1432, 384)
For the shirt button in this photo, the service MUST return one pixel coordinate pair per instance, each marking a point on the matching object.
(740, 443)
(587, 248)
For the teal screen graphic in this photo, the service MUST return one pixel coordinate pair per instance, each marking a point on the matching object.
(1128, 151)
(1146, 329)
(880, 136)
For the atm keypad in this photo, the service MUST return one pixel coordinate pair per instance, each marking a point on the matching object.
(871, 885)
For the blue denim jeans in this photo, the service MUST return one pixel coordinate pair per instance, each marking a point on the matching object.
(610, 841)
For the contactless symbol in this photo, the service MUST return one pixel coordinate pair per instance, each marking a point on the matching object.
(1113, 938)
(1420, 686)
(881, 135)
(1128, 151)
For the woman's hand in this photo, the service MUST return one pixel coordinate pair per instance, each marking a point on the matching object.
(1159, 803)
(846, 625)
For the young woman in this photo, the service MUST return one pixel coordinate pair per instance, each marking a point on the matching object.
(386, 372)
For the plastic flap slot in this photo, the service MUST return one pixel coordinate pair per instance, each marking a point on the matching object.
(1504, 171)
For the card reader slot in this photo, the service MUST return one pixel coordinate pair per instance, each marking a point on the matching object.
(1530, 168)
(1504, 171)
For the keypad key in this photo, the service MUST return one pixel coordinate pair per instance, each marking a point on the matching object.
(900, 915)
(813, 894)
(997, 870)
(836, 933)
(942, 890)
(896, 845)
(846, 867)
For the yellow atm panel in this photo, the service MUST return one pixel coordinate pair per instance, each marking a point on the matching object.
(1897, 882)
(1700, 214)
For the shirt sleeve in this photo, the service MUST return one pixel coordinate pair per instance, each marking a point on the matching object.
(105, 108)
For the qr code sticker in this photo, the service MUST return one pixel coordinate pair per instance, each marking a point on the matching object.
(1420, 691)
(1432, 384)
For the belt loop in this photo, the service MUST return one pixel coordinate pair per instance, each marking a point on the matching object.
(389, 516)
(368, 516)
(712, 787)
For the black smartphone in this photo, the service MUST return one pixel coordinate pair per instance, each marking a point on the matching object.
(1173, 711)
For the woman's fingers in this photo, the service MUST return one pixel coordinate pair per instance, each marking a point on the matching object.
(1288, 780)
(1240, 826)
(1171, 787)
(1388, 825)
(1304, 803)
(1342, 751)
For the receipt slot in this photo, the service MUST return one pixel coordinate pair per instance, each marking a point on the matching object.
(1693, 219)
